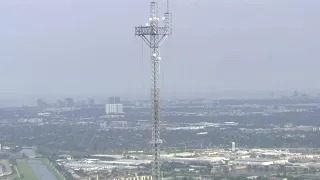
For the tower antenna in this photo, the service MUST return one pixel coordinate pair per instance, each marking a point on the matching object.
(154, 33)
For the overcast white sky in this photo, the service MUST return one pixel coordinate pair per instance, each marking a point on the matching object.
(88, 46)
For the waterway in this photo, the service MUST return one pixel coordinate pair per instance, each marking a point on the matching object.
(41, 170)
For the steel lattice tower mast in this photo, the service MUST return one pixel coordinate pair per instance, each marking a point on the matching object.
(154, 34)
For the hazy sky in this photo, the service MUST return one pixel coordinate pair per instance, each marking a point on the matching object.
(88, 46)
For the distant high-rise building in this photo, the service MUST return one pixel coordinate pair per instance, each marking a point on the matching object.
(41, 103)
(81, 103)
(111, 100)
(233, 146)
(114, 100)
(296, 93)
(117, 100)
(114, 108)
(90, 101)
(60, 104)
(114, 105)
(69, 102)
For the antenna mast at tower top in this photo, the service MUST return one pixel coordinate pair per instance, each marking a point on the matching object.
(154, 33)
(168, 5)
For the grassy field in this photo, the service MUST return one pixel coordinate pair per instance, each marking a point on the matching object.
(25, 170)
(54, 171)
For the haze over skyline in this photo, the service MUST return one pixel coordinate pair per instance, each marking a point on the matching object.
(88, 47)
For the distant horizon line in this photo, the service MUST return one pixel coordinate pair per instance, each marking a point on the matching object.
(101, 97)
(165, 93)
(169, 92)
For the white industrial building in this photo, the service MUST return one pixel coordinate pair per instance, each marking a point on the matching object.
(114, 108)
(135, 178)
(233, 147)
(261, 162)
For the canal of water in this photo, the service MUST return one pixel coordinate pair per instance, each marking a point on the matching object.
(41, 170)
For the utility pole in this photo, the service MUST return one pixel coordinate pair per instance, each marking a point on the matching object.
(154, 34)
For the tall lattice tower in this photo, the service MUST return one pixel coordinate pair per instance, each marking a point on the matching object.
(154, 34)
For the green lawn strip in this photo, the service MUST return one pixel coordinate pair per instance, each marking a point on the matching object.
(16, 173)
(54, 171)
(25, 170)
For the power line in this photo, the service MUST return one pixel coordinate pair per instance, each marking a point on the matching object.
(142, 65)
(87, 130)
